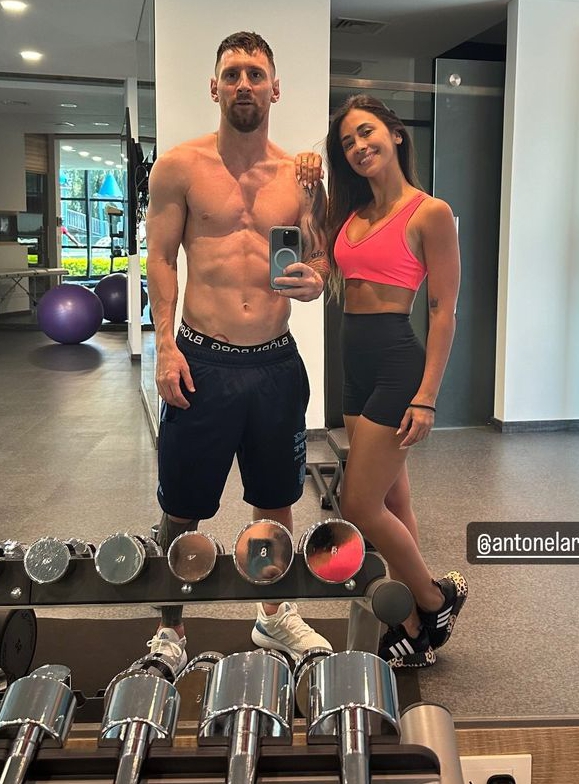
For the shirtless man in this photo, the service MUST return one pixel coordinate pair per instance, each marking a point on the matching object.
(232, 382)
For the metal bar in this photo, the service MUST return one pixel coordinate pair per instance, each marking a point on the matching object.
(413, 87)
(156, 585)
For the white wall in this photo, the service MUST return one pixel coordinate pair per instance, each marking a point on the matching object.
(186, 39)
(538, 307)
(12, 168)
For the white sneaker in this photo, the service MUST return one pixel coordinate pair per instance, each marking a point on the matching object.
(167, 644)
(286, 631)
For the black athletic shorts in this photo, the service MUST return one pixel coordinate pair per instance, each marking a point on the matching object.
(383, 366)
(249, 401)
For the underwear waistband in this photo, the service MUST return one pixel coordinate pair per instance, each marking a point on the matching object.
(205, 341)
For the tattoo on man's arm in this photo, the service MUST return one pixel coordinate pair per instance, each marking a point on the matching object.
(313, 233)
(433, 302)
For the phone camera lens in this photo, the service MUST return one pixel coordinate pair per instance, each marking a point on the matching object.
(290, 238)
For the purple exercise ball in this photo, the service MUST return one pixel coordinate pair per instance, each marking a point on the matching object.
(69, 313)
(112, 292)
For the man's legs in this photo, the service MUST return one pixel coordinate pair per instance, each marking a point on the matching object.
(169, 640)
(280, 626)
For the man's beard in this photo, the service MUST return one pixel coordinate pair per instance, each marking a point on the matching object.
(244, 118)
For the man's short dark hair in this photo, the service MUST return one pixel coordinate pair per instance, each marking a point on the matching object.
(245, 42)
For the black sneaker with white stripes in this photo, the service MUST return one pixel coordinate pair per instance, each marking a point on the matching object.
(440, 623)
(399, 649)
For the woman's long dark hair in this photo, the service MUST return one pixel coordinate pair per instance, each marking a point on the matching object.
(348, 191)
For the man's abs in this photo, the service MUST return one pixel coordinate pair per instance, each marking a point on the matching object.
(228, 295)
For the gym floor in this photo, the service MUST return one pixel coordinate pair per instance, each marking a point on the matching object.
(76, 459)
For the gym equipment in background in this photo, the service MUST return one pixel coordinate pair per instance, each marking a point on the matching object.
(69, 313)
(112, 292)
(120, 558)
(333, 550)
(249, 702)
(37, 705)
(263, 552)
(141, 706)
(351, 696)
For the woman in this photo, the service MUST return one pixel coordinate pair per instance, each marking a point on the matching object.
(387, 235)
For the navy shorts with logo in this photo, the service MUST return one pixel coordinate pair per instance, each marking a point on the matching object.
(249, 401)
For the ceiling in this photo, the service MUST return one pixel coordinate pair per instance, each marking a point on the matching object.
(105, 41)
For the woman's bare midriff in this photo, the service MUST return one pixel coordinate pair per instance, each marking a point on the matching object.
(362, 296)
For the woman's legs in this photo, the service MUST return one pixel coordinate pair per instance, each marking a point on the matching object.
(375, 463)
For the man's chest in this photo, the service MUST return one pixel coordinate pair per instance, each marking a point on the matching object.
(225, 204)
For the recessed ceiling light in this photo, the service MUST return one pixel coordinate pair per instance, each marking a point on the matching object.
(65, 124)
(29, 54)
(110, 163)
(119, 166)
(96, 158)
(14, 5)
(68, 148)
(84, 153)
(101, 124)
(10, 102)
(69, 105)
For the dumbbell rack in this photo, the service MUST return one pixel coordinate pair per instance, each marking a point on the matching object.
(156, 585)
(392, 764)
(81, 757)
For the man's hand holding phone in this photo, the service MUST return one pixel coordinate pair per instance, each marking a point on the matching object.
(308, 286)
(289, 276)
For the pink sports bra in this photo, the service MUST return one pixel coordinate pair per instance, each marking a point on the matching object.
(382, 256)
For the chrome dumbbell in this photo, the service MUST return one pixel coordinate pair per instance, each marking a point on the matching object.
(192, 556)
(140, 707)
(33, 707)
(351, 696)
(333, 550)
(249, 701)
(120, 558)
(193, 684)
(48, 559)
(431, 725)
(263, 552)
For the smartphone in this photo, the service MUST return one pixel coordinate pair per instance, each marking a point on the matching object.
(285, 247)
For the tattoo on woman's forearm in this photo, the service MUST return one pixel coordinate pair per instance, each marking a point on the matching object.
(433, 303)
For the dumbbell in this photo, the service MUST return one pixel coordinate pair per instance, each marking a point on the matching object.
(193, 684)
(333, 550)
(386, 601)
(17, 644)
(120, 558)
(249, 701)
(37, 705)
(11, 548)
(192, 556)
(431, 725)
(48, 559)
(263, 552)
(350, 697)
(140, 707)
